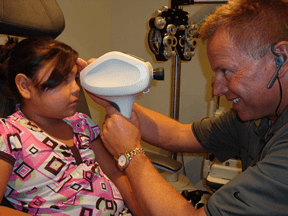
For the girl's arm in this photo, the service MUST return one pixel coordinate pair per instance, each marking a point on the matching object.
(109, 166)
(6, 170)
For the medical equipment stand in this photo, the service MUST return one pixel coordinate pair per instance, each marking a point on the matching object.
(179, 181)
(172, 34)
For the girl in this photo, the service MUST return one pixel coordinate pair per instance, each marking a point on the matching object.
(46, 155)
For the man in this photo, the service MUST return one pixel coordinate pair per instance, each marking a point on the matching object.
(247, 44)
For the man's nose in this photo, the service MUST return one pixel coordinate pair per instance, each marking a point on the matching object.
(220, 86)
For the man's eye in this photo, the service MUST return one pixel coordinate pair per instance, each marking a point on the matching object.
(225, 71)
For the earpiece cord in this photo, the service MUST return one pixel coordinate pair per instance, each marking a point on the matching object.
(280, 86)
(279, 62)
(275, 76)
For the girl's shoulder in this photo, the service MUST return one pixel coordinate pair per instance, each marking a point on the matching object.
(17, 123)
(13, 120)
(78, 116)
(81, 123)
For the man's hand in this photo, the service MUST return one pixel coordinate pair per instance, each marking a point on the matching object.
(99, 100)
(81, 64)
(120, 134)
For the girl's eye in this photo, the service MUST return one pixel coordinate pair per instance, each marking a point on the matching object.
(66, 79)
(77, 77)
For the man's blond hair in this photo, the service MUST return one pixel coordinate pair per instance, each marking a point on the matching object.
(253, 25)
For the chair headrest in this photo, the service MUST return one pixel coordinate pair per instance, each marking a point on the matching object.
(31, 18)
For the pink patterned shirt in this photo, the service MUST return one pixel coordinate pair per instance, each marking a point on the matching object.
(50, 178)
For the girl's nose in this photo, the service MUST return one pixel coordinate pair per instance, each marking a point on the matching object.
(75, 87)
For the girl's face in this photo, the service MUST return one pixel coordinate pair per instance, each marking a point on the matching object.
(59, 102)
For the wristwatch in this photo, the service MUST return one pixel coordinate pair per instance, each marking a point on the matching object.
(125, 158)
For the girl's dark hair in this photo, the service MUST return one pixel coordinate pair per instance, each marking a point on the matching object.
(5, 52)
(31, 54)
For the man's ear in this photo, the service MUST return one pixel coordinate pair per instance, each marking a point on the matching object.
(23, 84)
(281, 51)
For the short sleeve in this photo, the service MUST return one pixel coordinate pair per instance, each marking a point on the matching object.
(219, 135)
(83, 124)
(10, 143)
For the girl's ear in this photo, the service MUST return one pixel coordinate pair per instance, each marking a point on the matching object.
(24, 85)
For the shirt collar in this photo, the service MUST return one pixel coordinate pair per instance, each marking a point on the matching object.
(266, 130)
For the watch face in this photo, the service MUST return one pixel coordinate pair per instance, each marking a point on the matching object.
(122, 161)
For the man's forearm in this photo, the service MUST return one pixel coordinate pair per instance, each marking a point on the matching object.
(154, 194)
(164, 132)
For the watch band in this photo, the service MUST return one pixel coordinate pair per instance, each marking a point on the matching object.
(129, 155)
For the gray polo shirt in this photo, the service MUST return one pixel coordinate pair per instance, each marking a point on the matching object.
(262, 187)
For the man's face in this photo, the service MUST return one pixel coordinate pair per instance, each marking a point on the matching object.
(243, 79)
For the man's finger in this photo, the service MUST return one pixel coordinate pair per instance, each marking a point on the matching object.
(111, 110)
(81, 64)
(91, 60)
(134, 119)
(99, 100)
